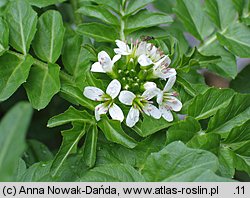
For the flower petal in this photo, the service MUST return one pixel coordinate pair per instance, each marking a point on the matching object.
(116, 58)
(116, 113)
(151, 110)
(143, 60)
(132, 117)
(126, 97)
(166, 113)
(93, 93)
(174, 103)
(150, 93)
(99, 110)
(105, 60)
(149, 85)
(169, 84)
(114, 88)
(159, 97)
(122, 49)
(142, 49)
(97, 67)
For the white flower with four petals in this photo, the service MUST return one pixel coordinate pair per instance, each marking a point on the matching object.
(139, 104)
(104, 64)
(107, 98)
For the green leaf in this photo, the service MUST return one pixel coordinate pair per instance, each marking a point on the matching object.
(113, 132)
(36, 172)
(151, 144)
(113, 173)
(193, 18)
(222, 13)
(239, 134)
(98, 31)
(14, 72)
(150, 125)
(227, 66)
(226, 160)
(71, 138)
(236, 113)
(44, 3)
(22, 22)
(75, 95)
(89, 148)
(134, 6)
(149, 19)
(242, 163)
(48, 41)
(75, 57)
(42, 84)
(210, 176)
(156, 32)
(113, 4)
(115, 154)
(241, 83)
(71, 115)
(236, 39)
(13, 129)
(205, 141)
(244, 150)
(20, 170)
(99, 12)
(176, 162)
(165, 5)
(183, 130)
(207, 104)
(239, 5)
(36, 152)
(4, 36)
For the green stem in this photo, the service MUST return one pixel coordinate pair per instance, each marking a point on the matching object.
(77, 16)
(122, 12)
(210, 40)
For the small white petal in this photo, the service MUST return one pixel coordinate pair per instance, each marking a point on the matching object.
(151, 110)
(122, 45)
(169, 84)
(93, 93)
(114, 88)
(150, 93)
(105, 60)
(159, 97)
(116, 58)
(175, 104)
(149, 85)
(170, 72)
(121, 52)
(143, 60)
(99, 110)
(97, 67)
(116, 113)
(166, 113)
(142, 49)
(126, 97)
(132, 117)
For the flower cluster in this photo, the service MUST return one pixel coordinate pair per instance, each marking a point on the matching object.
(137, 72)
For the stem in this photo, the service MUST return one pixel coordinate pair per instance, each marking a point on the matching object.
(77, 17)
(210, 40)
(122, 11)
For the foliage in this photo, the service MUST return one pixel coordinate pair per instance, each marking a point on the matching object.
(47, 51)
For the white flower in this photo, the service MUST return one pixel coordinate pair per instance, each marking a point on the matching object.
(167, 100)
(151, 56)
(107, 98)
(139, 103)
(123, 48)
(136, 49)
(161, 69)
(104, 64)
